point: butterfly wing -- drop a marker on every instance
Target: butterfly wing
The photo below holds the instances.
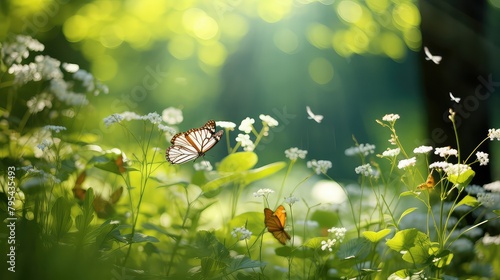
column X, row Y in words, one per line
column 190, row 145
column 429, row 184
column 275, row 223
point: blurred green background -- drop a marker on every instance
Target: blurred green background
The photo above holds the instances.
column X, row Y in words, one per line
column 351, row 61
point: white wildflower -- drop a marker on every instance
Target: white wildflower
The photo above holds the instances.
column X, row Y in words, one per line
column 114, row 118
column 263, row 192
column 291, row 200
column 494, row 133
column 203, row 166
column 153, row 117
column 172, row 116
column 474, row 189
column 491, row 240
column 271, row 122
column 404, row 163
column 422, row 149
column 482, row 157
column 391, row 152
column 39, row 102
column 493, row 186
column 245, row 141
column 247, row 125
column 489, row 200
column 367, row 170
column 338, row 232
column 364, row 149
column 456, row 169
column 295, row 153
column 45, row 144
column 390, row 117
column 241, row 233
column 70, row 67
column 328, row 244
column 445, row 152
column 55, row 128
column 319, row 166
column 439, row 165
column 224, row 124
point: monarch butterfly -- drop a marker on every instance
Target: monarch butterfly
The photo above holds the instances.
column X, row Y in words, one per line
column 429, row 184
column 275, row 223
column 194, row 143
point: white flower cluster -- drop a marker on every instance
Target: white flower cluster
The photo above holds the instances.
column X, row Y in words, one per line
column 404, row 163
column 391, row 152
column 55, row 128
column 422, row 150
column 291, row 200
column 295, row 153
column 246, row 125
column 270, row 121
column 246, row 142
column 153, row 117
column 489, row 200
column 445, row 152
column 48, row 69
column 367, row 170
column 339, row 234
column 203, row 166
column 364, row 149
column 482, row 157
column 494, row 134
column 226, row 124
column 241, row 233
column 390, row 117
column 493, row 186
column 15, row 52
column 319, row 166
column 263, row 192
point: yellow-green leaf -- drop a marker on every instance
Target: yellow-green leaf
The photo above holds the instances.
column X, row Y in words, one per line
column 236, row 162
column 375, row 237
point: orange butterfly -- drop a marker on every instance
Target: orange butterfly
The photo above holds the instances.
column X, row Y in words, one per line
column 429, row 184
column 275, row 223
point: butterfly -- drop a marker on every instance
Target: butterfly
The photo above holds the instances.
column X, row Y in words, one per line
column 429, row 184
column 275, row 223
column 434, row 58
column 312, row 116
column 194, row 143
column 453, row 98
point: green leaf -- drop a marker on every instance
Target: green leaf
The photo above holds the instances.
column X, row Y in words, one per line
column 463, row 179
column 160, row 230
column 469, row 201
column 264, row 171
column 354, row 250
column 236, row 162
column 406, row 212
column 443, row 258
column 375, row 237
column 211, row 187
column 61, row 217
column 243, row 262
column 413, row 243
column 84, row 220
column 408, row 193
column 314, row 242
column 497, row 212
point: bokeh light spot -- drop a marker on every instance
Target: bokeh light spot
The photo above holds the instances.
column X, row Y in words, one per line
column 319, row 35
column 75, row 28
column 349, row 11
column 406, row 15
column 111, row 36
column 328, row 192
column 213, row 54
column 274, row 10
column 321, row 70
column 392, row 46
